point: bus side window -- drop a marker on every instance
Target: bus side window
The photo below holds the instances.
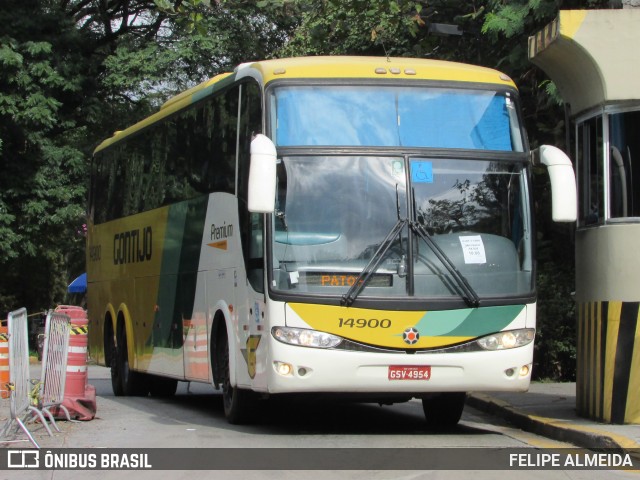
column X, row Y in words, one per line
column 223, row 151
column 251, row 225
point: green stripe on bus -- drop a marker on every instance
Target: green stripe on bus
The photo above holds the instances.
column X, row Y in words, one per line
column 178, row 279
column 468, row 322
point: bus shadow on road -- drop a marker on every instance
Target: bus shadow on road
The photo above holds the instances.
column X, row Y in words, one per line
column 202, row 405
column 291, row 415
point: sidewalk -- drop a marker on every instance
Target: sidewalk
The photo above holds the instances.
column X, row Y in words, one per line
column 549, row 409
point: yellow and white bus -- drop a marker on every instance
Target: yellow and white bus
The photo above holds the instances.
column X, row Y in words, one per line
column 326, row 225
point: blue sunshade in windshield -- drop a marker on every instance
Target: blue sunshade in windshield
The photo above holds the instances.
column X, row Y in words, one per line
column 393, row 117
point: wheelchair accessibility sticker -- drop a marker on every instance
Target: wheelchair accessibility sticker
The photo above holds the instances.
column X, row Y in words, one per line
column 421, row 172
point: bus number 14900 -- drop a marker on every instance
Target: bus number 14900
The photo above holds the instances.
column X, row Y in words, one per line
column 364, row 323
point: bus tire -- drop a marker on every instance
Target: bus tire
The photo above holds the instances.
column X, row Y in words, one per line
column 116, row 381
column 443, row 410
column 132, row 383
column 111, row 359
column 239, row 404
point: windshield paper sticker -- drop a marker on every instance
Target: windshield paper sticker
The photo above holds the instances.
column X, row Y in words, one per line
column 421, row 172
column 473, row 249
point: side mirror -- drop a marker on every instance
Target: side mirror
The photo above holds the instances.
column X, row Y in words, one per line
column 262, row 175
column 563, row 182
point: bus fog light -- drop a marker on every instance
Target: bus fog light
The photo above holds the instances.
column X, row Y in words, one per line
column 284, row 369
column 508, row 339
column 509, row 372
column 524, row 370
column 305, row 338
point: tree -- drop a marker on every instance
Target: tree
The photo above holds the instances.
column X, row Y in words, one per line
column 41, row 189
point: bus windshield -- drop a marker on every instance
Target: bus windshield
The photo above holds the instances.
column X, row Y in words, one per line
column 333, row 212
column 393, row 116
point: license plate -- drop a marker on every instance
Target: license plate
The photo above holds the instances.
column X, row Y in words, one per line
column 409, row 372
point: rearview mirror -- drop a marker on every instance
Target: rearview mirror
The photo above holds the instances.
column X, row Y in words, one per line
column 262, row 175
column 563, row 182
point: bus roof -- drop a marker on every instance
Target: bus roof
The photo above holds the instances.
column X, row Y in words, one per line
column 344, row 67
column 376, row 67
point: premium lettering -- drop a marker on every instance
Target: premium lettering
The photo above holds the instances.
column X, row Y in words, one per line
column 221, row 233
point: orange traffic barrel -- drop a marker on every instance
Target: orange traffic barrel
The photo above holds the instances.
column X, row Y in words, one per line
column 76, row 375
column 5, row 392
column 72, row 311
column 79, row 396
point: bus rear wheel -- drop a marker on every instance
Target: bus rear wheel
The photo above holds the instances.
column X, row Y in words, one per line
column 111, row 354
column 443, row 410
column 239, row 404
column 124, row 380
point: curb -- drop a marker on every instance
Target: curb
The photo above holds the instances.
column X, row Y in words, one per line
column 579, row 435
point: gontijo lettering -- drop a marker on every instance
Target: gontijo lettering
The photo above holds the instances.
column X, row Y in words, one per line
column 133, row 246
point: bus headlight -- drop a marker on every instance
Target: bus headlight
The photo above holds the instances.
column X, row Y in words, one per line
column 508, row 339
column 305, row 338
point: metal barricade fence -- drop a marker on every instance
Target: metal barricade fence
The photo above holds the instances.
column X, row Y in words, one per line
column 54, row 364
column 27, row 400
column 18, row 361
column 19, row 384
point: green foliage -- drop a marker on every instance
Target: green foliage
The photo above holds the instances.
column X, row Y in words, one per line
column 42, row 187
column 555, row 350
column 149, row 72
column 356, row 27
column 516, row 17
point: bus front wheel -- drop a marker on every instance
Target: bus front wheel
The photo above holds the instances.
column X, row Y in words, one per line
column 239, row 404
column 443, row 410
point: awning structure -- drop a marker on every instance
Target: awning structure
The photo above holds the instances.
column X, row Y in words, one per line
column 593, row 56
column 79, row 285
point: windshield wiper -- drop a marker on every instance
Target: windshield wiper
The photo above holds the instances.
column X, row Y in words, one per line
column 470, row 296
column 365, row 275
column 372, row 266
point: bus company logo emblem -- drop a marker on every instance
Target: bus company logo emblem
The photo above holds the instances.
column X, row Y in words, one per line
column 410, row 335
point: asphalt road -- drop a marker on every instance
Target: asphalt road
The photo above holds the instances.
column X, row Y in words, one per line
column 194, row 418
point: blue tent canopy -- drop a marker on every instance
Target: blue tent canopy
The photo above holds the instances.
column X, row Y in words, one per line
column 79, row 285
